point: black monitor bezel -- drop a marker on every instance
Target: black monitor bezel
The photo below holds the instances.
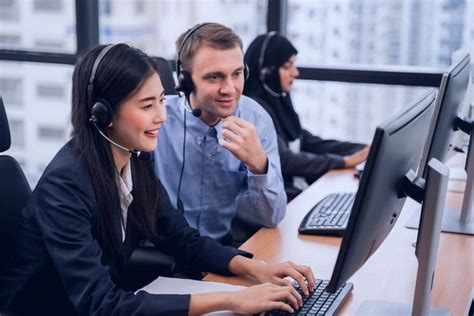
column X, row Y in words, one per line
column 391, row 126
column 453, row 71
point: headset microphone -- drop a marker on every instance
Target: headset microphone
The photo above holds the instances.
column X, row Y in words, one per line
column 93, row 120
column 197, row 112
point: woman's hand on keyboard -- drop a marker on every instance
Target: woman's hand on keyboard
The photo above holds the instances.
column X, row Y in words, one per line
column 277, row 272
column 265, row 297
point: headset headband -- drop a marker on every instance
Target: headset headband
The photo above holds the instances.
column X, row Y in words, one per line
column 263, row 49
column 98, row 60
column 186, row 37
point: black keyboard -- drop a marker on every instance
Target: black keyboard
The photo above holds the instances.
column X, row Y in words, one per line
column 329, row 216
column 319, row 302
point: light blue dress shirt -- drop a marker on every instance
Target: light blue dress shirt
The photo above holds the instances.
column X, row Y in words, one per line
column 213, row 177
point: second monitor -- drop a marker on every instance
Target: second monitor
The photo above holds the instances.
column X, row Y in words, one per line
column 445, row 123
column 387, row 180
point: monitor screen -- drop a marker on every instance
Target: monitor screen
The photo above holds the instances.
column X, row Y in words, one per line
column 396, row 148
column 448, row 106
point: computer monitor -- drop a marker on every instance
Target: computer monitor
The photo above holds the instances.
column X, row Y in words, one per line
column 396, row 149
column 451, row 95
column 378, row 201
column 441, row 143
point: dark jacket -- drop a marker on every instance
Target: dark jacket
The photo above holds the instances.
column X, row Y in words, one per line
column 59, row 268
column 316, row 157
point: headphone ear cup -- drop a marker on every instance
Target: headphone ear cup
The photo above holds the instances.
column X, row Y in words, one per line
column 265, row 72
column 185, row 83
column 101, row 113
column 246, row 72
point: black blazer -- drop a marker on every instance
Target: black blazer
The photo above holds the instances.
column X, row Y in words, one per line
column 58, row 267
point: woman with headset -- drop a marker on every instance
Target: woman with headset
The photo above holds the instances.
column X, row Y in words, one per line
column 271, row 61
column 97, row 201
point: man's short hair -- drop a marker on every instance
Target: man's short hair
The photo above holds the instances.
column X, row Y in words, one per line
column 212, row 35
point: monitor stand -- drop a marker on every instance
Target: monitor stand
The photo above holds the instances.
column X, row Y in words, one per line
column 426, row 251
column 460, row 221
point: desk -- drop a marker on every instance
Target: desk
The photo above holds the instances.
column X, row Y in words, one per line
column 389, row 274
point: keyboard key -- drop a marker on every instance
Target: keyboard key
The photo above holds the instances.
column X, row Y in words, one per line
column 329, row 216
column 319, row 302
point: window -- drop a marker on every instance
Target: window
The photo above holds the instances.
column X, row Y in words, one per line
column 11, row 89
column 348, row 111
column 9, row 10
column 17, row 132
column 105, row 7
column 51, row 90
column 159, row 23
column 139, row 6
column 37, row 99
column 11, row 40
column 48, row 5
column 421, row 33
column 39, row 25
column 49, row 45
column 51, row 133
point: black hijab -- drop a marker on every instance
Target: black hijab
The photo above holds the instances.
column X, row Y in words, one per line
column 278, row 51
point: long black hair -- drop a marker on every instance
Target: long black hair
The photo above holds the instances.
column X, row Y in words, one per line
column 120, row 74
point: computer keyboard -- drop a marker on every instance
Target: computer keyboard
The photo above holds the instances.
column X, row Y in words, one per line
column 319, row 302
column 329, row 216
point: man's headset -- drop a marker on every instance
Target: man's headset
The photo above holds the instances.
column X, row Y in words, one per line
column 265, row 72
column 100, row 109
column 186, row 85
column 185, row 82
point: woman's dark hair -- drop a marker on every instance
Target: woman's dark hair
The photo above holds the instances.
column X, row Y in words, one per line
column 121, row 73
column 278, row 51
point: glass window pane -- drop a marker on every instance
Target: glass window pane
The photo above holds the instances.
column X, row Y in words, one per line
column 37, row 100
column 154, row 25
column 395, row 32
column 39, row 25
column 348, row 111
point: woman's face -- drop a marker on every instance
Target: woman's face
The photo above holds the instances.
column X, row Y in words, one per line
column 288, row 72
column 138, row 119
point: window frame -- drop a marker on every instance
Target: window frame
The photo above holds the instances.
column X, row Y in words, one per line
column 87, row 35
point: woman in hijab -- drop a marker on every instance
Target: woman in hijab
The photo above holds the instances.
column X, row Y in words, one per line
column 271, row 61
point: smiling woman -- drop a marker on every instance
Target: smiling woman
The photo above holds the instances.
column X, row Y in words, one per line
column 304, row 157
column 138, row 120
column 97, row 201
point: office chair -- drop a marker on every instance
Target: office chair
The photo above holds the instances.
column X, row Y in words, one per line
column 166, row 75
column 14, row 192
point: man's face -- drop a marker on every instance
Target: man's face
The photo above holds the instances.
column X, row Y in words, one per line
column 218, row 77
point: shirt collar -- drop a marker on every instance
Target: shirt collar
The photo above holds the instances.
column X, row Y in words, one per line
column 124, row 181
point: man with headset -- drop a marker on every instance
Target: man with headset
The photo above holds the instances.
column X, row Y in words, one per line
column 218, row 145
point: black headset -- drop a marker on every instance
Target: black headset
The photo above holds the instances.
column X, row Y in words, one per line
column 185, row 82
column 100, row 110
column 265, row 72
